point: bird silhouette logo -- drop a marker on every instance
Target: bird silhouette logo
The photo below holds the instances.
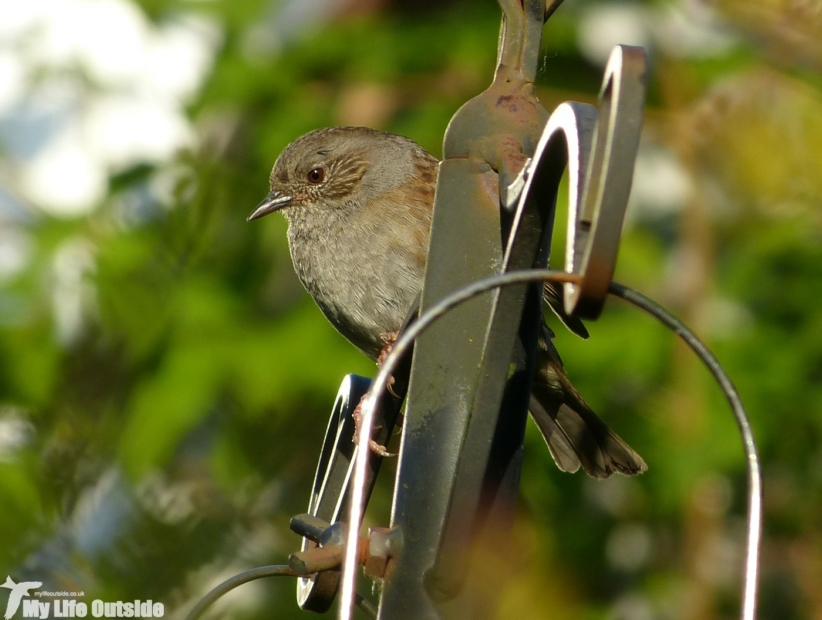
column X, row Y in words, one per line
column 18, row 591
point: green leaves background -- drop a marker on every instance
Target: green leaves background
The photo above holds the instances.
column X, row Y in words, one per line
column 166, row 446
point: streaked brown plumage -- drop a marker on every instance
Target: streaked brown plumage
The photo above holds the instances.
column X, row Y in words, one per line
column 358, row 202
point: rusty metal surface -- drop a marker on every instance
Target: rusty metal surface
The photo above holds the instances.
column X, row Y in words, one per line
column 375, row 552
column 316, row 560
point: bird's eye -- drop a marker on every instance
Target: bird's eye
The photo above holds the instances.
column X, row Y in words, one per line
column 316, row 175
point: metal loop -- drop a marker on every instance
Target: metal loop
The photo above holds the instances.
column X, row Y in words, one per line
column 435, row 312
column 594, row 229
column 330, row 490
column 565, row 141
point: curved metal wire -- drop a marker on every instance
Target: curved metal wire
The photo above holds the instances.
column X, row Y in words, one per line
column 754, row 472
column 275, row 570
column 406, row 339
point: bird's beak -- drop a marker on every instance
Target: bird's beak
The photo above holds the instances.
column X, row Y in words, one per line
column 273, row 202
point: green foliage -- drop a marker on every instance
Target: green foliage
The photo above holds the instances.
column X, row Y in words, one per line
column 166, row 442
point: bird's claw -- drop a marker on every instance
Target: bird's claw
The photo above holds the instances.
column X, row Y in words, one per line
column 388, row 339
column 379, row 449
column 375, row 447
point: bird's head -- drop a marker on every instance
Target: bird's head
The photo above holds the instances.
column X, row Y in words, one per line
column 323, row 169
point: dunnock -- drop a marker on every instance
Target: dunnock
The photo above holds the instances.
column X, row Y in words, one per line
column 359, row 202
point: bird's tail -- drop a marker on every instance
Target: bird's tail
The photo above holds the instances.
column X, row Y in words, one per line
column 574, row 433
column 9, row 583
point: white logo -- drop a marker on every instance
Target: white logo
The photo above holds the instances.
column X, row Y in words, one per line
column 61, row 607
column 18, row 591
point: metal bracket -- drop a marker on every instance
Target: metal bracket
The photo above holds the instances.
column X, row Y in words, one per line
column 471, row 372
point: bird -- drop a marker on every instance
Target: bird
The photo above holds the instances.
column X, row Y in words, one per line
column 18, row 591
column 359, row 203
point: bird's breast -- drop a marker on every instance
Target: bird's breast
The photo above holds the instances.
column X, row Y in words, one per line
column 363, row 281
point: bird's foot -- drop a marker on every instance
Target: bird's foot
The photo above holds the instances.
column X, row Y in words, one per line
column 376, row 448
column 388, row 340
